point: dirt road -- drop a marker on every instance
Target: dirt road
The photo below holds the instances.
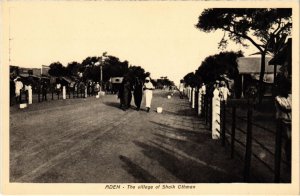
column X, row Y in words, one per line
column 92, row 140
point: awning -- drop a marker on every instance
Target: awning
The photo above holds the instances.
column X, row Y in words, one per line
column 24, row 75
column 67, row 79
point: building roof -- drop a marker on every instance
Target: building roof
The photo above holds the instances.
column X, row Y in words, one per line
column 251, row 65
column 67, row 79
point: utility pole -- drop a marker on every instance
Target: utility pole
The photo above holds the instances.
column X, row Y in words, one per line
column 101, row 72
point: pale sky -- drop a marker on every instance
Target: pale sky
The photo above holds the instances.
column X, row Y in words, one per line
column 159, row 36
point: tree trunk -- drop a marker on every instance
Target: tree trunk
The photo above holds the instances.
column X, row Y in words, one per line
column 261, row 77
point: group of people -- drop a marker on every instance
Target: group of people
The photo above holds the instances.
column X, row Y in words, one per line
column 18, row 89
column 79, row 88
column 138, row 88
column 18, row 86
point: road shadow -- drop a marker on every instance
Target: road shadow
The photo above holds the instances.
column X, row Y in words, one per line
column 181, row 131
column 164, row 93
column 117, row 105
column 184, row 112
column 136, row 171
column 196, row 138
column 112, row 104
column 184, row 169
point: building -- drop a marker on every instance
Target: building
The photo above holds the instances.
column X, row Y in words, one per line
column 44, row 70
column 29, row 71
column 249, row 69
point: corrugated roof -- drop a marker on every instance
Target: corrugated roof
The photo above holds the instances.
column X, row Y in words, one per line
column 69, row 80
column 251, row 65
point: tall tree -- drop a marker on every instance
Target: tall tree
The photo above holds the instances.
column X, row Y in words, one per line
column 113, row 67
column 192, row 79
column 257, row 26
column 57, row 69
column 136, row 71
column 215, row 65
column 73, row 68
column 164, row 81
column 90, row 61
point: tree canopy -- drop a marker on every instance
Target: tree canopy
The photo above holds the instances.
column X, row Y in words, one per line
column 113, row 67
column 136, row 71
column 215, row 65
column 243, row 24
column 260, row 27
column 164, row 81
column 57, row 69
column 90, row 69
column 193, row 80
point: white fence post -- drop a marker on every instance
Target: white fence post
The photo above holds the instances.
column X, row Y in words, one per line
column 64, row 92
column 216, row 110
column 193, row 98
column 190, row 94
column 29, row 95
column 199, row 102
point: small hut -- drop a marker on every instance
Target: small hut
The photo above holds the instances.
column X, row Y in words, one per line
column 249, row 71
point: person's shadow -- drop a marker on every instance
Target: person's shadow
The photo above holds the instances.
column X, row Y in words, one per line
column 112, row 104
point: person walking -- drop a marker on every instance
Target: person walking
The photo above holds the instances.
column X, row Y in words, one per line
column 97, row 88
column 58, row 89
column 44, row 91
column 148, row 87
column 125, row 94
column 121, row 94
column 26, row 91
column 82, row 89
column 138, row 93
column 19, row 86
column 129, row 96
column 201, row 94
column 89, row 88
column 224, row 91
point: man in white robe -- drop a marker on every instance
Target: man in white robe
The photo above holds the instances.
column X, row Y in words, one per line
column 19, row 87
column 202, row 92
column 148, row 88
column 224, row 91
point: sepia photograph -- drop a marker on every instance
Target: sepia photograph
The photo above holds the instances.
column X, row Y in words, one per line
column 136, row 96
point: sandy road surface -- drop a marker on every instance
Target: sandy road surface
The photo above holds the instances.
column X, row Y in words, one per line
column 91, row 140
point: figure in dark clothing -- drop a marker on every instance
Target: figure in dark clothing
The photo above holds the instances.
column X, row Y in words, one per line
column 120, row 95
column 125, row 94
column 12, row 91
column 89, row 88
column 138, row 92
column 129, row 94
column 44, row 91
column 82, row 89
